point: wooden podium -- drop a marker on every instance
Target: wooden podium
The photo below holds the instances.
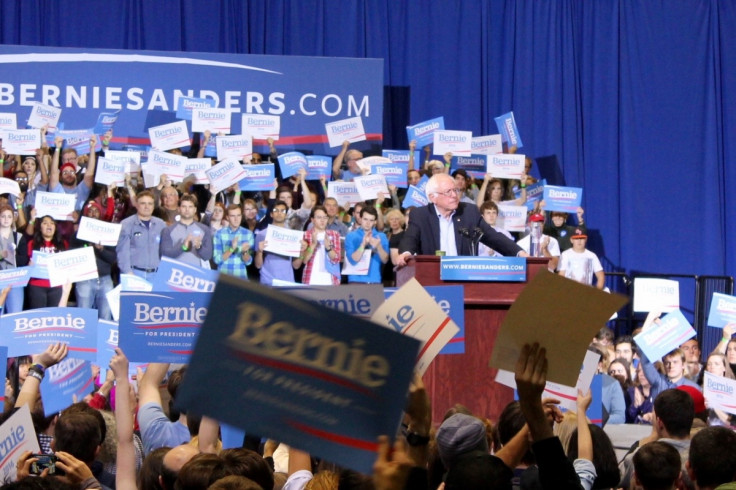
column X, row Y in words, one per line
column 466, row 378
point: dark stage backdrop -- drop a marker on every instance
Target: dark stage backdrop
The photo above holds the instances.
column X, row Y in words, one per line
column 636, row 99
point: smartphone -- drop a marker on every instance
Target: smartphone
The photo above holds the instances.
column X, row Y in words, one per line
column 44, row 461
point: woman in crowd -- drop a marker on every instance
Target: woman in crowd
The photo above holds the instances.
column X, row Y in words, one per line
column 642, row 403
column 13, row 253
column 496, row 192
column 619, row 369
column 718, row 366
column 727, row 345
column 320, row 251
column 46, row 239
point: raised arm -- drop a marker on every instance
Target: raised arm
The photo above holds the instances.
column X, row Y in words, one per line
column 30, row 391
column 412, row 149
column 337, row 162
column 148, row 386
column 203, row 144
column 480, row 198
column 54, row 171
column 125, row 475
column 89, row 175
column 728, row 331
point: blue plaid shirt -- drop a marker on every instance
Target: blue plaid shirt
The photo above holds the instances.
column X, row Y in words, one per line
column 235, row 265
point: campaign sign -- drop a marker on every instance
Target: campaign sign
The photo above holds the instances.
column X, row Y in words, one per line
column 660, row 338
column 359, row 300
column 110, row 171
column 656, row 294
column 224, row 174
column 239, row 147
column 22, row 141
column 423, row 132
column 509, row 132
column 401, row 156
column 475, row 165
column 160, row 327
column 3, row 369
column 318, row 166
column 132, row 159
column 131, row 282
column 258, row 177
column 455, row 142
column 486, row 145
column 169, row 136
column 414, row 197
column 261, row 126
column 32, row 331
column 369, row 186
column 185, row 106
column 722, row 310
column 534, row 193
column 197, row 167
column 67, row 382
column 335, row 396
column 177, row 276
column 44, row 115
column 38, row 265
column 98, row 231
column 113, row 301
column 77, row 139
column 720, row 392
column 107, row 341
column 512, row 218
column 422, row 184
column 211, row 119
column 359, row 268
column 283, row 241
column 18, row 436
column 162, row 163
column 9, row 186
column 8, row 121
column 15, row 278
column 105, row 122
column 394, row 173
column 565, row 199
column 350, row 129
column 345, row 193
column 290, row 163
column 505, row 166
column 71, row 266
column 506, row 269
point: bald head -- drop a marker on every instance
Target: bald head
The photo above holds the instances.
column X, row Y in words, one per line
column 179, row 456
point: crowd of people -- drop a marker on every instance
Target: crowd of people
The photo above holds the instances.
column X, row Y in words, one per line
column 117, row 437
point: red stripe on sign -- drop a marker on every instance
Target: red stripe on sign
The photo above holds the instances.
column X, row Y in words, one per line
column 433, row 337
column 348, row 441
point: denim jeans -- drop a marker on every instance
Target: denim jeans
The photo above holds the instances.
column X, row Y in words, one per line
column 92, row 294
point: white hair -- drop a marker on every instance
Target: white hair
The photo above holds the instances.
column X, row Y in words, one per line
column 434, row 182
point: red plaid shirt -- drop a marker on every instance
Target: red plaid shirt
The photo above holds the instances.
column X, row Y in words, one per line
column 334, row 238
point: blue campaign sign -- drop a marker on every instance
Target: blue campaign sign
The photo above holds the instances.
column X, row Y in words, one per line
column 180, row 277
column 105, row 122
column 160, row 327
column 595, row 410
column 306, row 379
column 3, row 367
column 452, row 300
column 501, row 269
column 64, row 382
column 507, row 128
column 422, row 184
column 291, row 162
column 534, row 193
column 414, row 197
column 402, row 156
column 31, row 331
column 423, row 133
column 317, row 166
column 107, row 340
column 565, row 199
column 660, row 338
column 258, row 177
column 14, row 278
column 394, row 173
column 722, row 310
column 475, row 165
column 187, row 104
column 306, row 92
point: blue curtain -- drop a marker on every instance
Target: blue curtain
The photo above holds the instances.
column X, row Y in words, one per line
column 630, row 97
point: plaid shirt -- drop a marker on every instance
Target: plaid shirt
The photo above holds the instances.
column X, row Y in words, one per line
column 234, row 265
column 334, row 238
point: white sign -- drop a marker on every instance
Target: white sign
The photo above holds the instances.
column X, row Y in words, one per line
column 44, row 115
column 239, row 147
column 284, row 241
column 55, row 204
column 132, row 159
column 198, row 167
column 9, row 186
column 261, row 126
column 350, row 129
column 512, row 218
column 720, row 392
column 99, row 232
column 8, row 121
column 169, row 136
column 110, row 171
column 160, row 163
column 22, row 141
column 369, row 186
column 366, row 164
column 74, row 265
column 113, row 301
column 360, row 268
column 506, row 166
column 18, row 436
column 345, row 193
column 224, row 174
column 486, row 145
column 456, row 142
column 211, row 119
column 656, row 294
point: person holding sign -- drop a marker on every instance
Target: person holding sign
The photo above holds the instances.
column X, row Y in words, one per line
column 187, row 240
column 271, row 265
column 46, row 239
column 350, row 158
column 441, row 224
column 497, row 192
column 321, row 252
column 13, row 253
column 367, row 240
column 233, row 245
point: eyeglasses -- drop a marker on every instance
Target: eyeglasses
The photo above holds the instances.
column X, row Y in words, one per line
column 21, row 179
column 280, row 211
column 450, row 192
column 72, row 172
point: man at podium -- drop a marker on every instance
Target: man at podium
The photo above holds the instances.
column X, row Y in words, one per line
column 450, row 226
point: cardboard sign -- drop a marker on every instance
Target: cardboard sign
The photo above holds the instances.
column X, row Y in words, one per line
column 369, row 186
column 169, row 136
column 44, row 115
column 656, row 294
column 224, row 174
column 505, row 166
column 98, row 231
column 211, row 119
column 487, row 145
column 22, row 141
column 423, row 132
column 71, row 266
column 284, row 241
column 455, row 142
column 160, row 163
column 345, row 193
column 660, row 338
column 720, row 392
column 350, row 129
column 132, row 159
column 238, row 147
column 261, row 126
column 110, row 171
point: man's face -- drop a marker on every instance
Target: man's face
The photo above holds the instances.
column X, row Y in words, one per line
column 490, row 216
column 674, row 367
column 445, row 198
column 234, row 217
column 356, row 215
column 145, row 207
column 352, row 161
column 187, row 210
column 69, row 157
column 368, row 221
column 460, row 182
column 331, row 207
column 278, row 215
column 68, row 177
column 170, row 198
column 319, row 220
column 286, row 197
column 624, row 351
column 578, row 244
column 691, row 350
column 558, row 219
column 413, row 177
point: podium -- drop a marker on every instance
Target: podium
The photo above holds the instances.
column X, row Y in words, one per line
column 466, row 378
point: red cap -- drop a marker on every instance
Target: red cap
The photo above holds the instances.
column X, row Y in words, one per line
column 67, row 164
column 579, row 234
column 536, row 217
column 696, row 395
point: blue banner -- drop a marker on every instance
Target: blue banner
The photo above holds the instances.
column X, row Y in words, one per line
column 291, row 162
column 534, row 193
column 31, row 331
column 146, row 86
column 501, row 269
column 160, row 327
column 660, row 338
column 565, row 199
column 423, row 133
column 414, row 197
column 306, row 379
column 187, row 104
column 15, row 278
column 394, row 173
column 317, row 166
column 107, row 340
column 507, row 128
column 3, row 367
column 258, row 177
column 177, row 276
column 722, row 310
column 65, row 382
column 475, row 165
column 402, row 156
